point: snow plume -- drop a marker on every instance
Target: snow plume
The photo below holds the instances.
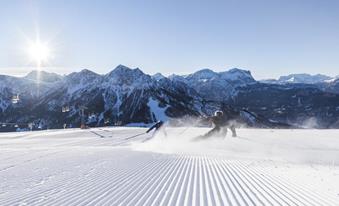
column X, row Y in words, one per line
column 201, row 121
column 310, row 123
column 185, row 140
column 285, row 145
column 184, row 135
column 176, row 140
column 186, row 121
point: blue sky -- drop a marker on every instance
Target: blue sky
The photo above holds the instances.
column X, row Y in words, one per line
column 270, row 38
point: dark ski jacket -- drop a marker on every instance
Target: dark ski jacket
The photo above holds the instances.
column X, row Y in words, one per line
column 221, row 121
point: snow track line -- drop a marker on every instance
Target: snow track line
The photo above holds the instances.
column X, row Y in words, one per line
column 142, row 183
column 158, row 179
column 277, row 184
column 93, row 132
column 256, row 189
column 183, row 189
column 230, row 194
column 221, row 184
column 273, row 187
column 215, row 184
column 133, row 185
column 85, row 167
column 237, row 188
column 169, row 187
column 15, row 137
column 266, row 192
column 74, row 184
column 202, row 193
column 302, row 192
column 92, row 191
column 147, row 185
column 14, row 157
column 124, row 180
column 28, row 161
column 169, row 181
column 73, row 194
column 180, row 176
column 189, row 193
column 151, row 193
column 302, row 197
column 105, row 130
column 175, row 185
column 210, row 201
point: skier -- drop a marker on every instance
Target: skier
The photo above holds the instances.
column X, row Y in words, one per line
column 221, row 123
column 158, row 126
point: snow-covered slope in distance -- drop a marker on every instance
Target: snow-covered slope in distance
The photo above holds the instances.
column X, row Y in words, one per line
column 304, row 78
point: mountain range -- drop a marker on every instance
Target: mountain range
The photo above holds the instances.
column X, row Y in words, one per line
column 128, row 96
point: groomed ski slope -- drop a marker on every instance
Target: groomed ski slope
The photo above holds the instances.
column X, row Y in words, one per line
column 104, row 166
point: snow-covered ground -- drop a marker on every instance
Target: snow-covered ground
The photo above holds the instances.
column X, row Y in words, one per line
column 106, row 166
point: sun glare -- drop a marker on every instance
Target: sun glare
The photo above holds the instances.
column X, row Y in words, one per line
column 39, row 52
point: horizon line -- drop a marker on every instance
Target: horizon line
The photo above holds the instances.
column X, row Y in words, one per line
column 26, row 70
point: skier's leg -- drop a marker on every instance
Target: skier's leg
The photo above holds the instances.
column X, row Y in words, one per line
column 154, row 133
column 224, row 132
column 163, row 131
column 234, row 133
column 212, row 132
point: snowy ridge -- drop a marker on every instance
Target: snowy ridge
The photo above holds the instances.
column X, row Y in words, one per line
column 304, row 78
column 218, row 86
column 122, row 96
column 43, row 76
column 158, row 76
column 301, row 79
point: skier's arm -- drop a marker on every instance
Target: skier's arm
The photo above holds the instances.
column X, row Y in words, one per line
column 202, row 120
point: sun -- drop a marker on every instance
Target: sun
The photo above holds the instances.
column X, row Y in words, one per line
column 39, row 52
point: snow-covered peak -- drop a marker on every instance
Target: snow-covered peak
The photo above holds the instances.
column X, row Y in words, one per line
column 335, row 79
column 158, row 76
column 126, row 76
column 233, row 75
column 43, row 76
column 123, row 71
column 88, row 72
column 84, row 74
column 236, row 74
column 304, row 78
column 202, row 75
column 218, row 85
column 177, row 78
column 81, row 80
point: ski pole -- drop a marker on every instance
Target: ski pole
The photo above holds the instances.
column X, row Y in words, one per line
column 127, row 138
column 184, row 130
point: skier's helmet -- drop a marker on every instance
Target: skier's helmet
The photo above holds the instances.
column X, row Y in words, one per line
column 218, row 113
